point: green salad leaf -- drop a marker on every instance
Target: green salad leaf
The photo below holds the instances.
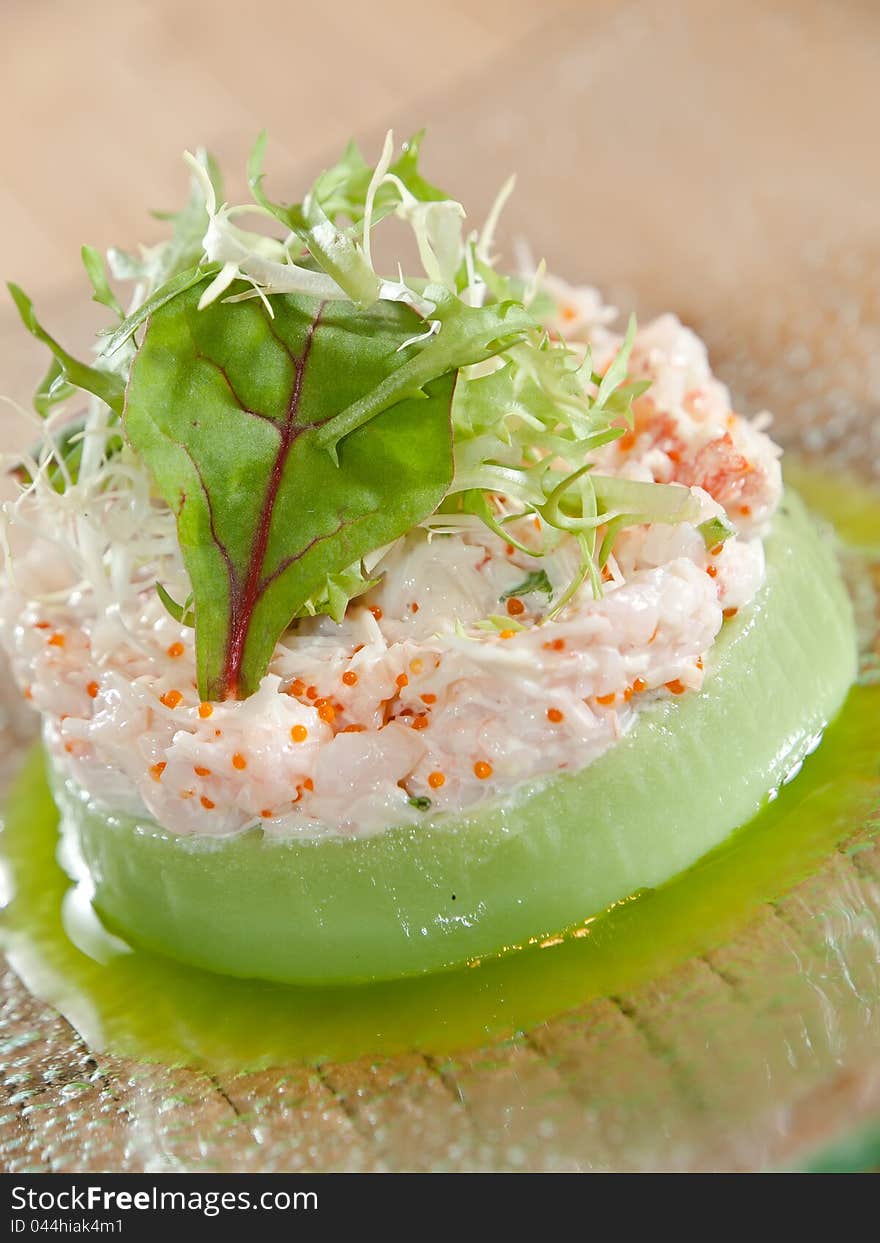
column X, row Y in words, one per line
column 227, row 406
column 298, row 409
column 104, row 384
column 536, row 581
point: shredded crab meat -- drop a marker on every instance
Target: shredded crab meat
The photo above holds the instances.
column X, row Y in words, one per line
column 414, row 696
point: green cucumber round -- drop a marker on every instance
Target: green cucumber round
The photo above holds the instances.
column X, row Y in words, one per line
column 531, row 865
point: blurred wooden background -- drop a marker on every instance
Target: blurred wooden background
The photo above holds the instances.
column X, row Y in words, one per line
column 719, row 158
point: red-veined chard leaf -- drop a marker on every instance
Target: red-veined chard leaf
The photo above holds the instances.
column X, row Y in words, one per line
column 225, row 406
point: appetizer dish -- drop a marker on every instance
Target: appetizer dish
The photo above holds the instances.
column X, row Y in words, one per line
column 380, row 621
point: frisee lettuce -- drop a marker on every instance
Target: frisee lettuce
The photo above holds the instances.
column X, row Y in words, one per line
column 298, row 409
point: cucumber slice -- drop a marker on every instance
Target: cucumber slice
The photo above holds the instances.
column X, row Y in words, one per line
column 539, row 862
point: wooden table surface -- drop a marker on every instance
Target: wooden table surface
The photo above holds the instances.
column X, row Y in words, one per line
column 715, row 158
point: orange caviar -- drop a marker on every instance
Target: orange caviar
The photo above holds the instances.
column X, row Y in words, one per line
column 428, row 698
column 414, row 607
column 402, row 680
column 157, row 770
column 628, row 694
column 326, row 712
column 713, row 552
column 238, row 761
column 745, row 510
column 639, row 685
column 92, row 690
column 712, row 571
column 299, row 733
column 554, row 715
column 436, row 780
column 266, row 813
column 312, row 692
column 676, row 686
column 176, row 649
column 297, row 687
column 350, row 677
column 205, row 710
column 57, row 640
column 728, row 613
column 482, row 770
column 308, row 784
column 171, row 699
column 554, row 645
column 507, row 634
column 515, row 606
column 201, row 771
column 606, row 699
column 377, row 612
column 420, row 722
column 207, row 803
column 354, row 729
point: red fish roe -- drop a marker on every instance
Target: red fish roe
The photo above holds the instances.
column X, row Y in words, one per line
column 605, row 700
column 350, row 677
column 482, row 770
column 299, row 733
column 515, row 607
column 92, row 690
column 157, row 770
column 171, row 699
column 207, row 803
column 436, row 780
column 175, row 650
column 238, row 761
column 554, row 715
column 205, row 710
column 676, row 686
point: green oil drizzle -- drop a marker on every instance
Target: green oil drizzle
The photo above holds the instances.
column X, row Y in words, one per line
column 140, row 1005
